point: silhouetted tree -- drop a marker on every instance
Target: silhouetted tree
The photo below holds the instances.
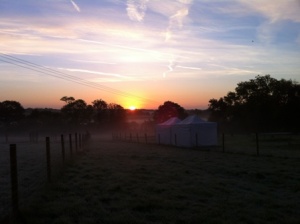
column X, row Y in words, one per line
column 167, row 110
column 76, row 111
column 117, row 113
column 11, row 111
column 261, row 104
column 100, row 108
column 43, row 118
column 67, row 99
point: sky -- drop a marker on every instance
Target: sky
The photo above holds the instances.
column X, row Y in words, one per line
column 143, row 52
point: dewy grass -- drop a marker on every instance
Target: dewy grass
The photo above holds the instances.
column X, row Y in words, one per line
column 136, row 183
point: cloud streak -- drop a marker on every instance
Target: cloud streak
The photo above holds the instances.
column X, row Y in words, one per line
column 136, row 9
column 171, row 67
column 76, row 7
column 98, row 73
column 276, row 11
column 175, row 22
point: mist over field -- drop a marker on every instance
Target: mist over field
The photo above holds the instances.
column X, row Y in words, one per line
column 134, row 180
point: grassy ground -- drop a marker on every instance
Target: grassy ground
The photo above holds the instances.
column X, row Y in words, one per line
column 32, row 172
column 137, row 183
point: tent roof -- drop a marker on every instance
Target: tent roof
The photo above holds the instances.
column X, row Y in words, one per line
column 193, row 119
column 171, row 121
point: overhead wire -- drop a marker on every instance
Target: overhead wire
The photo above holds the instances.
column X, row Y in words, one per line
column 57, row 74
column 46, row 69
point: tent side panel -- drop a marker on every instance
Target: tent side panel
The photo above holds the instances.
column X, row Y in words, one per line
column 207, row 134
column 181, row 136
column 163, row 135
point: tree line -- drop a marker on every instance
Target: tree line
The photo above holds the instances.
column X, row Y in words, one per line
column 79, row 112
column 263, row 104
column 75, row 112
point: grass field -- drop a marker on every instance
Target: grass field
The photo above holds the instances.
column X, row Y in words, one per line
column 31, row 167
column 283, row 145
column 119, row 182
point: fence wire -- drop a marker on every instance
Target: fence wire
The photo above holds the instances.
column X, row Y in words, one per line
column 31, row 167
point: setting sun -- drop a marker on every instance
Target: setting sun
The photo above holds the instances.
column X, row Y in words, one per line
column 132, row 108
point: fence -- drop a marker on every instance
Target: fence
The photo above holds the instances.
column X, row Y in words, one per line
column 266, row 144
column 134, row 137
column 27, row 166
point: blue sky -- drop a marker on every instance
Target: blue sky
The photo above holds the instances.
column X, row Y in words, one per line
column 143, row 52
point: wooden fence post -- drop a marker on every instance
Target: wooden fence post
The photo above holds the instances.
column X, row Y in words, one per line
column 76, row 141
column 48, row 159
column 6, row 137
column 257, row 144
column 14, row 180
column 223, row 142
column 70, row 144
column 80, row 141
column 62, row 148
column 84, row 139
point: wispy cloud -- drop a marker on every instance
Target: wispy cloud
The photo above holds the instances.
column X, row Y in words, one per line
column 275, row 13
column 176, row 20
column 276, row 10
column 94, row 62
column 119, row 76
column 234, row 70
column 188, row 67
column 171, row 66
column 174, row 43
column 136, row 9
column 76, row 7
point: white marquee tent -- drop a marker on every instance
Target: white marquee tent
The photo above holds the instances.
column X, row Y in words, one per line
column 164, row 132
column 193, row 131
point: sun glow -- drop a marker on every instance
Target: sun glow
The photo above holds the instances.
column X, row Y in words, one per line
column 131, row 103
column 132, row 108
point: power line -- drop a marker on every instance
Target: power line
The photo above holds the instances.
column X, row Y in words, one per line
column 57, row 74
column 54, row 73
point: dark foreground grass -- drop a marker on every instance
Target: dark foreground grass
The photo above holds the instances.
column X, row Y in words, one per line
column 137, row 183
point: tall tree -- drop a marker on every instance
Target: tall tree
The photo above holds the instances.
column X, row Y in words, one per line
column 167, row 110
column 117, row 113
column 76, row 111
column 100, row 108
column 11, row 111
column 99, row 104
column 67, row 99
column 260, row 104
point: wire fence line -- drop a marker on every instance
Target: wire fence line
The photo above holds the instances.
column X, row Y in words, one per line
column 32, row 163
column 27, row 166
column 148, row 138
column 259, row 144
